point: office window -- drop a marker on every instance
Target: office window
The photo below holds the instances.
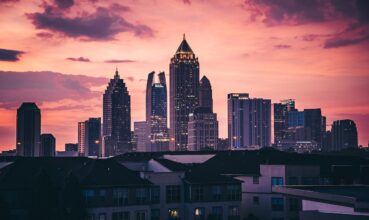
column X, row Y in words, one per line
column 120, row 197
column 308, row 180
column 233, row 192
column 88, row 195
column 120, row 216
column 255, row 180
column 255, row 200
column 198, row 193
column 216, row 213
column 155, row 214
column 173, row 214
column 173, row 193
column 140, row 215
column 277, row 181
column 234, row 213
column 102, row 216
column 293, row 180
column 294, row 204
column 216, row 192
column 155, row 195
column 277, row 204
column 102, row 195
column 141, row 195
column 199, row 213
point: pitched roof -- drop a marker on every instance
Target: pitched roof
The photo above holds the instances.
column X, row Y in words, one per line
column 184, row 47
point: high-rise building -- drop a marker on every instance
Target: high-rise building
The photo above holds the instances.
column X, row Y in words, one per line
column 205, row 93
column 81, row 138
column 281, row 111
column 156, row 112
column 116, row 117
column 184, row 93
column 71, row 147
column 47, row 145
column 202, row 130
column 249, row 121
column 295, row 119
column 93, row 137
column 313, row 125
column 344, row 135
column 28, row 130
column 141, row 132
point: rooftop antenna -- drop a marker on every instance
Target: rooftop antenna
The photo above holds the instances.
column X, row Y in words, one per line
column 184, row 36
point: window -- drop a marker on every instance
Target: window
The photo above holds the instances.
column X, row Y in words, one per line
column 308, row 180
column 102, row 216
column 255, row 180
column 255, row 200
column 217, row 213
column 294, row 204
column 90, row 217
column 277, row 204
column 234, row 213
column 216, row 192
column 277, row 181
column 102, row 195
column 198, row 193
column 89, row 195
column 155, row 195
column 120, row 197
column 173, row 214
column 199, row 213
column 173, row 193
column 155, row 214
column 141, row 195
column 140, row 215
column 233, row 192
column 293, row 180
column 120, row 216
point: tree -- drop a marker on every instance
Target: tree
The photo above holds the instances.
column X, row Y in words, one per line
column 73, row 206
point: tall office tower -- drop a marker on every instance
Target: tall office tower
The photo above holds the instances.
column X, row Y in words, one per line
column 141, row 132
column 116, row 117
column 202, row 130
column 249, row 121
column 156, row 112
column 93, row 137
column 71, row 147
column 205, row 93
column 28, row 130
column 184, row 93
column 295, row 119
column 313, row 125
column 281, row 111
column 81, row 138
column 47, row 145
column 344, row 135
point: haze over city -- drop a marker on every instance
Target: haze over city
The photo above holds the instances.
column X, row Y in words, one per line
column 61, row 54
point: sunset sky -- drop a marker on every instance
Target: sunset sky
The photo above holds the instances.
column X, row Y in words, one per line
column 61, row 53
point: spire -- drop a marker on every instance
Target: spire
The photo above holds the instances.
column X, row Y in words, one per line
column 116, row 73
column 184, row 47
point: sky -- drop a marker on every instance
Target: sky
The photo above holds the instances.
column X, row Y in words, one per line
column 61, row 54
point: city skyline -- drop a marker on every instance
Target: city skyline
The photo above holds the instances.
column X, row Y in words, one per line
column 332, row 78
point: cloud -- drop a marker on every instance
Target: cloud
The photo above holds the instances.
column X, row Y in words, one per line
column 10, row 55
column 44, row 35
column 130, row 78
column 119, row 61
column 341, row 42
column 18, row 87
column 79, row 59
column 282, row 46
column 64, row 4
column 100, row 25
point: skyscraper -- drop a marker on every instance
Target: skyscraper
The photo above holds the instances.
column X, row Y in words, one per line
column 184, row 93
column 313, row 125
column 202, row 130
column 28, row 130
column 281, row 111
column 47, row 145
column 81, row 138
column 249, row 121
column 116, row 117
column 344, row 135
column 206, row 94
column 141, row 133
column 156, row 112
column 93, row 137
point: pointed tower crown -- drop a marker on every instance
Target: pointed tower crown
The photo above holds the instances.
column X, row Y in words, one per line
column 184, row 47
